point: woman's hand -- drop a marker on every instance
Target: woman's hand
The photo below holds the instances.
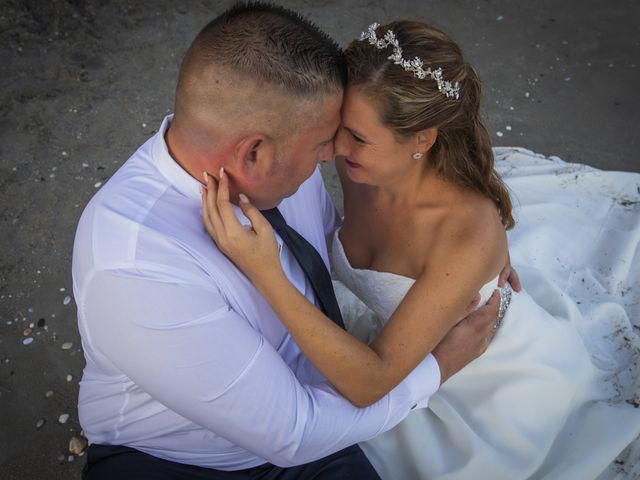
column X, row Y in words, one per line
column 252, row 249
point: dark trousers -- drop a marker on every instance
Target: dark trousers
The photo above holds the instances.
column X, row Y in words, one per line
column 112, row 462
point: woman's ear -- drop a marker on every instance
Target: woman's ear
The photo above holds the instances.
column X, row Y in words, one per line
column 254, row 156
column 425, row 139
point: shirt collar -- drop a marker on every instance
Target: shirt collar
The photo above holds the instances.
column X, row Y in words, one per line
column 178, row 176
column 170, row 169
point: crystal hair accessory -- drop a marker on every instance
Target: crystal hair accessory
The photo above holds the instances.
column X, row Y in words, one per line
column 415, row 65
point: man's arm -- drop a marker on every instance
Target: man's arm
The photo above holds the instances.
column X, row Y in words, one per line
column 183, row 346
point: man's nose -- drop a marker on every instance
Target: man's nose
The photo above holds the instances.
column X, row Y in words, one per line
column 327, row 153
column 340, row 146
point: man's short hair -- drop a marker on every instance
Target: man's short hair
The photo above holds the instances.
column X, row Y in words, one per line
column 272, row 45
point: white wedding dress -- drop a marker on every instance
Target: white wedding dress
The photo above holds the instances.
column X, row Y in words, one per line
column 557, row 394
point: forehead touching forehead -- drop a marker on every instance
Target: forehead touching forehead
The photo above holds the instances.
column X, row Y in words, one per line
column 318, row 120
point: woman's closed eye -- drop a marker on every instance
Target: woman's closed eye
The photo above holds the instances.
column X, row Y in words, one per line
column 357, row 139
column 355, row 136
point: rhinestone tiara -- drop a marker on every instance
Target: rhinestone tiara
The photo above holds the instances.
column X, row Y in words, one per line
column 416, row 65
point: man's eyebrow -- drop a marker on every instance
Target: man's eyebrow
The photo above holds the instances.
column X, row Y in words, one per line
column 332, row 137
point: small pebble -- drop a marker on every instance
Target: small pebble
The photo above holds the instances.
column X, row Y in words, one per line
column 67, row 345
column 98, row 185
column 63, row 418
column 69, row 377
column 499, row 134
column 144, row 125
column 48, row 394
column 40, row 423
column 508, row 128
column 66, row 300
column 61, row 457
column 27, row 332
column 500, row 18
column 27, row 340
column 526, row 94
column 71, row 458
column 41, row 322
column 77, row 445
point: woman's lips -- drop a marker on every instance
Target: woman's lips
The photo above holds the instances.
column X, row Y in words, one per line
column 352, row 164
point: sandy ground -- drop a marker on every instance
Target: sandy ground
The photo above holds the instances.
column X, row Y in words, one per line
column 84, row 83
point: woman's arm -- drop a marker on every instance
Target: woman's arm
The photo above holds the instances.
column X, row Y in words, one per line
column 362, row 373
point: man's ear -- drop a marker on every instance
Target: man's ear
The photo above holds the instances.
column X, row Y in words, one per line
column 425, row 139
column 255, row 154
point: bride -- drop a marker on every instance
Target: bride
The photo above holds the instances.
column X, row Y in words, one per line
column 557, row 392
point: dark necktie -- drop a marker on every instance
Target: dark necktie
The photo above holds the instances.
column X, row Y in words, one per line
column 311, row 263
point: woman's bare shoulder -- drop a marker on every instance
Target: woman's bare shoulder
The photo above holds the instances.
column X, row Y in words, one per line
column 472, row 234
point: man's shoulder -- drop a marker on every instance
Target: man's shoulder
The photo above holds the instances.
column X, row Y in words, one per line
column 129, row 193
column 137, row 203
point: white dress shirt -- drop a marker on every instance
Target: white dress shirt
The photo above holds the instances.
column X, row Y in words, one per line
column 185, row 359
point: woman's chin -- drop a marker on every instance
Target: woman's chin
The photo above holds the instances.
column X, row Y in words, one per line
column 355, row 174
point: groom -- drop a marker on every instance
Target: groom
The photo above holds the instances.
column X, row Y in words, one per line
column 189, row 373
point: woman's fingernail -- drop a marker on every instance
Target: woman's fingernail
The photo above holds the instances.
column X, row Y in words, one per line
column 206, row 177
column 243, row 198
column 221, row 172
column 201, row 190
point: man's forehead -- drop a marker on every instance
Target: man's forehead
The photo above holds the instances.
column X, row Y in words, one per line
column 328, row 112
column 313, row 121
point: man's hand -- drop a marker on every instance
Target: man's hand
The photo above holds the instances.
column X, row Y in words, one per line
column 509, row 274
column 468, row 339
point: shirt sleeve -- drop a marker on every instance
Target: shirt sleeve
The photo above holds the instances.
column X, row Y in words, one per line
column 184, row 346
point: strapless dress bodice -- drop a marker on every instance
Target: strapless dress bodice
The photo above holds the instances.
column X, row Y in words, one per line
column 382, row 292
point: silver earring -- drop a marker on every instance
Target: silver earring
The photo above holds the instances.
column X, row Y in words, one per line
column 418, row 155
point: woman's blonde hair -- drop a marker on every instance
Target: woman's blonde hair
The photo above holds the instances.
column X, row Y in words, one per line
column 407, row 104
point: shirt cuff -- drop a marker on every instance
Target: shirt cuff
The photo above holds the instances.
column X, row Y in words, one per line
column 424, row 381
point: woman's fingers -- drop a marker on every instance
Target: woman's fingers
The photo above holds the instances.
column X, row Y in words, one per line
column 205, row 214
column 222, row 201
column 213, row 215
column 231, row 223
column 258, row 222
